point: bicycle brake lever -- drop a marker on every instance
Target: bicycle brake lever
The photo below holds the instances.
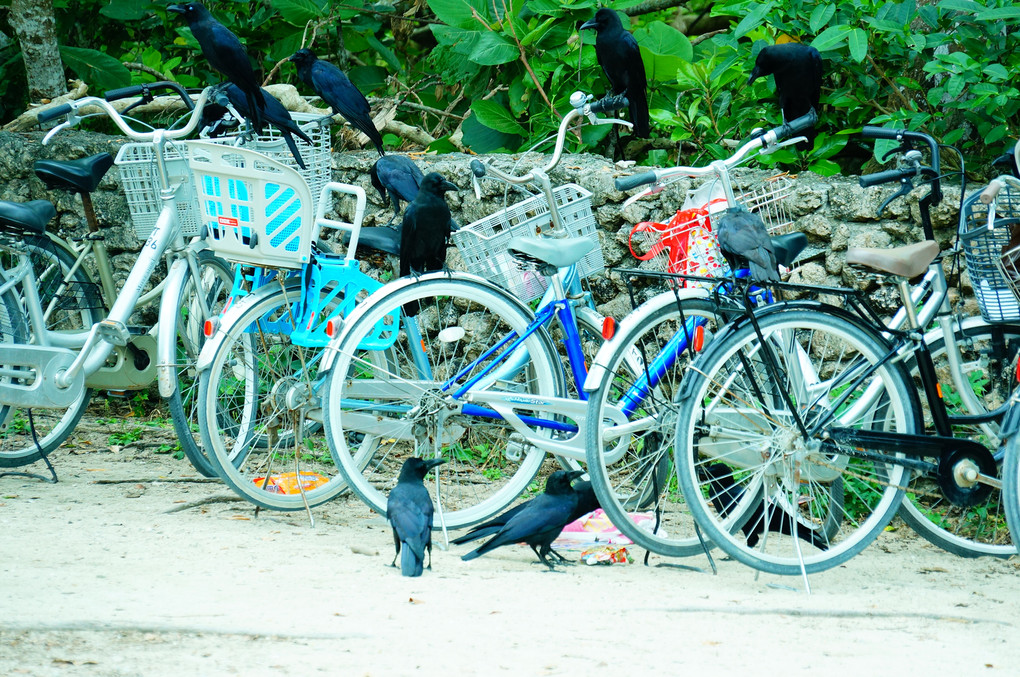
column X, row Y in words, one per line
column 782, row 144
column 56, row 130
column 904, row 147
column 637, row 196
column 906, row 185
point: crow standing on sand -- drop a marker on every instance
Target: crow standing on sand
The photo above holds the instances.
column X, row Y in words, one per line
column 409, row 511
column 226, row 54
column 726, row 494
column 743, row 234
column 620, row 58
column 336, row 89
column 586, row 502
column 275, row 114
column 797, row 70
column 540, row 521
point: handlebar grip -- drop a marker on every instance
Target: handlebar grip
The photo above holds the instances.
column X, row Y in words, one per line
column 477, row 168
column 873, row 132
column 125, row 92
column 610, row 103
column 887, row 176
column 55, row 112
column 988, row 194
column 635, row 180
column 795, row 127
column 146, row 90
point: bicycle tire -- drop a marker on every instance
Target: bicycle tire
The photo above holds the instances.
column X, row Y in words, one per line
column 376, row 413
column 743, row 462
column 989, row 353
column 76, row 306
column 1011, row 483
column 634, row 473
column 217, row 278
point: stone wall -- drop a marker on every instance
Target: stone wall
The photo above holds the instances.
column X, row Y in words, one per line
column 834, row 211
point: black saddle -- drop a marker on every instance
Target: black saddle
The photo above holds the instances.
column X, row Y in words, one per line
column 26, row 217
column 82, row 176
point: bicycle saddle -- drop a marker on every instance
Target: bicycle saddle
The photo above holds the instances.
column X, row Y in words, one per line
column 788, row 247
column 557, row 252
column 908, row 261
column 81, row 175
column 20, row 217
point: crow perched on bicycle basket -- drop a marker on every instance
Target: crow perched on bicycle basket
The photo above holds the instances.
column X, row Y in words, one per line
column 409, row 511
column 540, row 521
column 797, row 71
column 336, row 89
column 275, row 114
column 225, row 53
column 618, row 54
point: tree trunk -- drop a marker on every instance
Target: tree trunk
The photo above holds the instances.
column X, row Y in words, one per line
column 34, row 25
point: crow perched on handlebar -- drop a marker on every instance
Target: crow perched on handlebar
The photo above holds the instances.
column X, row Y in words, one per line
column 409, row 511
column 540, row 521
column 275, row 114
column 797, row 70
column 743, row 234
column 726, row 495
column 586, row 502
column 336, row 89
column 620, row 58
column 226, row 54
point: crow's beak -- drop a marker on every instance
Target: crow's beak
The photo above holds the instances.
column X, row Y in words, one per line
column 446, row 185
column 755, row 74
column 574, row 474
column 590, row 23
column 177, row 9
column 433, row 462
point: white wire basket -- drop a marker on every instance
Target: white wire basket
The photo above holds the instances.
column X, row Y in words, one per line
column 686, row 245
column 993, row 256
column 484, row 244
column 140, row 183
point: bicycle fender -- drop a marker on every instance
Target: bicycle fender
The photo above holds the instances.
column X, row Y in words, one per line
column 166, row 345
column 1011, row 421
column 599, row 366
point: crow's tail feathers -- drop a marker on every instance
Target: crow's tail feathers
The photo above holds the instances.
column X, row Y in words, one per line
column 411, row 564
column 639, row 115
column 293, row 148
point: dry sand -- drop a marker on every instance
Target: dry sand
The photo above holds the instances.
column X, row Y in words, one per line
column 98, row 578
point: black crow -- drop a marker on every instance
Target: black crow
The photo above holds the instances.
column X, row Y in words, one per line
column 586, row 502
column 336, row 89
column 743, row 234
column 396, row 177
column 409, row 511
column 725, row 496
column 797, row 70
column 426, row 228
column 620, row 58
column 540, row 522
column 275, row 114
column 225, row 53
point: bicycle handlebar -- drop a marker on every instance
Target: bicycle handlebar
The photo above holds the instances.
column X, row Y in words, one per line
column 610, row 104
column 55, row 112
column 989, row 194
column 766, row 140
column 146, row 92
column 888, row 176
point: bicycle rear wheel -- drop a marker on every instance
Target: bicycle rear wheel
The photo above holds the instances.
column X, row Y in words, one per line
column 1011, row 483
column 988, row 354
column 213, row 286
column 429, row 396
column 631, row 425
column 72, row 303
column 751, row 477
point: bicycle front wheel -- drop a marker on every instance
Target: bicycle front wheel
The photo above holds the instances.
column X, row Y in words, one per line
column 442, row 391
column 209, row 289
column 770, row 496
column 71, row 303
column 632, row 420
column 1011, row 483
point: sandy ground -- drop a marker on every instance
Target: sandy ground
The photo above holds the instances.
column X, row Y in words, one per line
column 98, row 578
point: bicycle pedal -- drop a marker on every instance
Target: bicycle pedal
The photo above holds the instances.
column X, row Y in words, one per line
column 114, row 332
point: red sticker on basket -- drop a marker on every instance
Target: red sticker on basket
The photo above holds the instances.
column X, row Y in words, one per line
column 226, row 221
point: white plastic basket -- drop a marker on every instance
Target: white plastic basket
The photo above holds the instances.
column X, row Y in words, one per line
column 138, row 175
column 254, row 210
column 484, row 243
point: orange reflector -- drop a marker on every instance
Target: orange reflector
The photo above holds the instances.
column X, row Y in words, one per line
column 699, row 338
column 330, row 329
column 1018, row 370
column 608, row 328
column 210, row 326
column 938, row 387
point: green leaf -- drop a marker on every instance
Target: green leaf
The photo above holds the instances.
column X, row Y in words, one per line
column 482, row 139
column 996, row 72
column 493, row 49
column 858, row 41
column 126, row 10
column 367, row 78
column 386, row 53
column 495, row 116
column 998, row 13
column 661, row 38
column 752, row 19
column 831, row 38
column 96, row 68
column 461, row 13
column 442, row 145
column 538, row 32
column 299, row 12
column 824, row 167
column 821, row 15
column 592, row 135
column 968, row 6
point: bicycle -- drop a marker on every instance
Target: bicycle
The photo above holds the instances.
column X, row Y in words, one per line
column 799, row 401
column 76, row 330
column 636, row 376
